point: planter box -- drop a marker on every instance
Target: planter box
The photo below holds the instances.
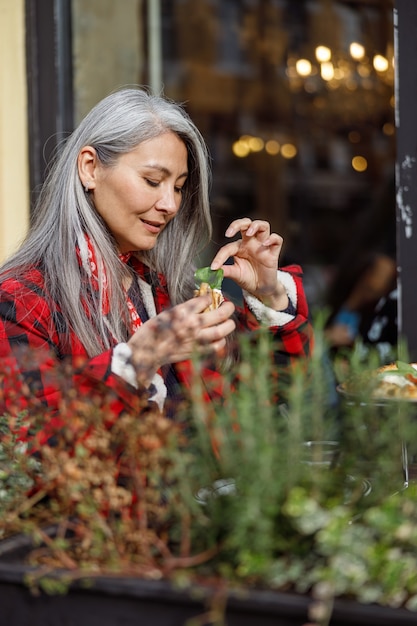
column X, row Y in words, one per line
column 119, row 601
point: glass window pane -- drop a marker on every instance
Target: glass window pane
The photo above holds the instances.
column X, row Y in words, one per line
column 294, row 98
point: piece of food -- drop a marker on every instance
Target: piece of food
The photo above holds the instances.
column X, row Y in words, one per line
column 209, row 281
column 394, row 381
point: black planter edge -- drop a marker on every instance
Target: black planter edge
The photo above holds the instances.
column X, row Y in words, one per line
column 254, row 600
column 260, row 601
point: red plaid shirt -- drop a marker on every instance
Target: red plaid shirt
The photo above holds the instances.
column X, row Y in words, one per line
column 34, row 339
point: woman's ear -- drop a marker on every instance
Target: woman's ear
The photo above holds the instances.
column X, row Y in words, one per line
column 87, row 167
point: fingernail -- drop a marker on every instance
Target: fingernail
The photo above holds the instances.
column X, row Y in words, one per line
column 229, row 232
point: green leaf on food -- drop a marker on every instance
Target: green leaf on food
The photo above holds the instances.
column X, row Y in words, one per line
column 406, row 368
column 403, row 369
column 206, row 275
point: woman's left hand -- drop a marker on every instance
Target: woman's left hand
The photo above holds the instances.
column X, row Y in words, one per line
column 255, row 256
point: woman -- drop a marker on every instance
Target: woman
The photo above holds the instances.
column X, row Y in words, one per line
column 104, row 280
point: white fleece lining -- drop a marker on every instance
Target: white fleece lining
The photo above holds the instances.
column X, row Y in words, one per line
column 147, row 295
column 161, row 391
column 120, row 365
column 122, row 353
column 266, row 314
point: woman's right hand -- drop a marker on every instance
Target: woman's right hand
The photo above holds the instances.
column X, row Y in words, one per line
column 179, row 333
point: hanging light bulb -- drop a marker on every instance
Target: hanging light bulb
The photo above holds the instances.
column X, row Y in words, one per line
column 323, row 54
column 327, row 70
column 303, row 67
column 357, row 51
column 380, row 63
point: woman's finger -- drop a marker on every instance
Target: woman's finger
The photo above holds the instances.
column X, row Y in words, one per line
column 273, row 240
column 216, row 317
column 237, row 226
column 225, row 252
column 258, row 227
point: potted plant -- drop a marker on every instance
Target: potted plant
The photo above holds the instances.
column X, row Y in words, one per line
column 282, row 503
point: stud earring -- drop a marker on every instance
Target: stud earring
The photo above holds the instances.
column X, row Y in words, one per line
column 87, row 187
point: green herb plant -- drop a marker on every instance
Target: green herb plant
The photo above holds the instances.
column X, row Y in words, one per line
column 283, row 484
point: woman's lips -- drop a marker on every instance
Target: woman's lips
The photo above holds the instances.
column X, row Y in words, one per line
column 153, row 227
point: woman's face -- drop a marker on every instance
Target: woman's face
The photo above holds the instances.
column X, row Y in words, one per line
column 142, row 191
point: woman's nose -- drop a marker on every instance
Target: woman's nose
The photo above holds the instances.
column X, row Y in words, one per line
column 169, row 201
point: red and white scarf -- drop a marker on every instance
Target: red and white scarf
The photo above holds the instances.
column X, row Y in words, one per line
column 88, row 260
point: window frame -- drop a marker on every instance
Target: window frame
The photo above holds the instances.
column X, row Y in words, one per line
column 49, row 83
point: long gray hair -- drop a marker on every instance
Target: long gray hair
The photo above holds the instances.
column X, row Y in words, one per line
column 64, row 215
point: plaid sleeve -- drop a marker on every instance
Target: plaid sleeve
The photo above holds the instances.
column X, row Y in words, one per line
column 294, row 339
column 40, row 361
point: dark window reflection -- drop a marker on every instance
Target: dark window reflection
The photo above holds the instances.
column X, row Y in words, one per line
column 304, row 142
column 295, row 99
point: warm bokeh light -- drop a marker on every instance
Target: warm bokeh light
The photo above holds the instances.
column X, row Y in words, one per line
column 380, row 63
column 359, row 164
column 357, row 51
column 256, row 144
column 388, row 129
column 333, row 84
column 247, row 144
column 303, row 67
column 364, row 70
column 288, row 150
column 291, row 71
column 240, row 148
column 327, row 70
column 310, row 87
column 323, row 54
column 272, row 147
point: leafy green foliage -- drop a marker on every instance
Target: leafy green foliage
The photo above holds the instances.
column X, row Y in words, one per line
column 319, row 482
column 18, row 471
column 282, row 483
column 214, row 278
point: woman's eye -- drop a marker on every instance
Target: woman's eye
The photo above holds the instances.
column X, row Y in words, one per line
column 152, row 183
column 178, row 189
